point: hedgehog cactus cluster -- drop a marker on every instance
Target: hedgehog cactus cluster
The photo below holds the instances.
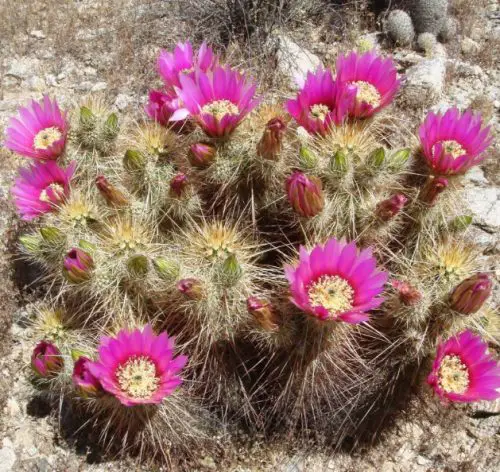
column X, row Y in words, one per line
column 303, row 255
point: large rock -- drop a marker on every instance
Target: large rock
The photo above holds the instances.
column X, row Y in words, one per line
column 485, row 203
column 294, row 61
column 424, row 82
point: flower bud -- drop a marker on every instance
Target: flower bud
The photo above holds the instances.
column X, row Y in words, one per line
column 78, row 265
column 263, row 313
column 399, row 159
column 166, row 269
column 307, row 158
column 111, row 194
column 201, row 155
column 377, row 158
column 178, row 185
column 46, row 360
column 231, row 269
column 408, row 294
column 433, row 187
column 270, row 145
column 83, row 380
column 305, row 194
column 192, row 288
column 52, row 234
column 338, row 162
column 138, row 265
column 30, row 243
column 469, row 296
column 389, row 208
column 133, row 161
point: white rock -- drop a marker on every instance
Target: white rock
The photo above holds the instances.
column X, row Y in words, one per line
column 122, row 101
column 51, row 80
column 7, row 456
column 424, row 82
column 295, row 61
column 35, row 83
column 476, row 176
column 38, row 34
column 99, row 86
column 485, row 204
column 90, row 71
column 470, row 47
column 22, row 68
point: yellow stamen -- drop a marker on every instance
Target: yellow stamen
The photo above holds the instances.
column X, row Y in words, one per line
column 46, row 138
column 453, row 375
column 367, row 93
column 332, row 292
column 138, row 377
column 319, row 111
column 57, row 190
column 453, row 148
column 220, row 108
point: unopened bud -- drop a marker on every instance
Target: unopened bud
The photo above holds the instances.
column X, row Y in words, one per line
column 78, row 265
column 307, row 158
column 52, row 234
column 377, row 158
column 271, row 143
column 305, row 194
column 133, row 161
column 398, row 160
column 389, row 208
column 432, row 189
column 469, row 296
column 84, row 381
column 30, row 243
column 461, row 223
column 46, row 360
column 166, row 269
column 263, row 313
column 111, row 194
column 408, row 294
column 231, row 269
column 201, row 155
column 191, row 288
column 338, row 162
column 138, row 265
column 178, row 185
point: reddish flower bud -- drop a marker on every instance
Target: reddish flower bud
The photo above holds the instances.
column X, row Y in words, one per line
column 389, row 208
column 178, row 185
column 201, row 155
column 408, row 294
column 269, row 146
column 192, row 288
column 263, row 313
column 433, row 187
column 111, row 194
column 78, row 265
column 83, row 380
column 46, row 360
column 305, row 194
column 470, row 295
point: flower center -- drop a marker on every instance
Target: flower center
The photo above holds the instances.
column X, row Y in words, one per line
column 319, row 111
column 453, row 148
column 453, row 375
column 187, row 70
column 220, row 108
column 46, row 138
column 367, row 93
column 137, row 377
column 53, row 193
column 333, row 293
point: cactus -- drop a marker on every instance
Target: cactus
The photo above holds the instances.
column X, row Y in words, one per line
column 430, row 16
column 399, row 26
column 301, row 271
column 427, row 42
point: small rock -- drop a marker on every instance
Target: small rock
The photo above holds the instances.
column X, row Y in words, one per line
column 38, row 34
column 208, row 462
column 90, row 71
column 51, row 80
column 99, row 87
column 485, row 204
column 22, row 68
column 470, row 47
column 61, row 76
column 424, row 82
column 122, row 101
column 295, row 61
column 7, row 456
column 476, row 176
column 83, row 86
column 12, row 407
column 421, row 460
column 35, row 83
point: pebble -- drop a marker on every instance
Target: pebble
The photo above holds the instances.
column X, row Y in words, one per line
column 99, row 86
column 7, row 456
column 38, row 34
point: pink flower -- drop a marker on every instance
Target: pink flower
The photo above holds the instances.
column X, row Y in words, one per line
column 453, row 143
column 83, row 380
column 463, row 370
column 171, row 66
column 161, row 106
column 321, row 102
column 46, row 359
column 218, row 100
column 336, row 282
column 39, row 132
column 138, row 367
column 373, row 78
column 41, row 187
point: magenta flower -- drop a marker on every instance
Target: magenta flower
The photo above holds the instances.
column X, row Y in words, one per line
column 83, row 380
column 336, row 282
column 453, row 143
column 321, row 102
column 39, row 132
column 46, row 359
column 138, row 367
column 463, row 370
column 41, row 187
column 78, row 265
column 171, row 66
column 218, row 100
column 161, row 106
column 373, row 78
